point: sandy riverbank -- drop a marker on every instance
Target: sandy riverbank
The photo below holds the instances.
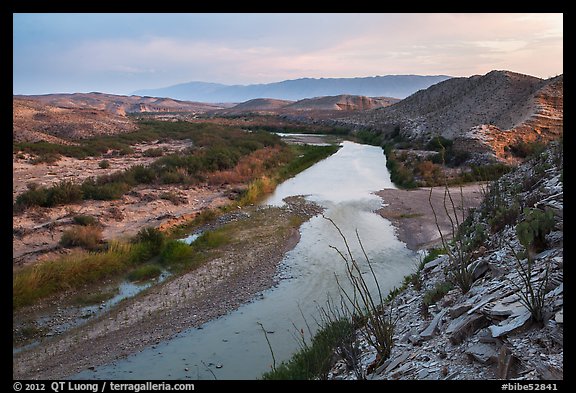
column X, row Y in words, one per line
column 411, row 214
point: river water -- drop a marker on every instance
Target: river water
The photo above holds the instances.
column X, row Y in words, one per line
column 234, row 346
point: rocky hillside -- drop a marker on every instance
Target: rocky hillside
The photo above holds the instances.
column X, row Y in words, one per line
column 316, row 107
column 36, row 121
column 481, row 113
column 343, row 102
column 120, row 105
column 487, row 332
column 52, row 117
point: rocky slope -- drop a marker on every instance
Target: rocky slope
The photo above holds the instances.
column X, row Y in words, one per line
column 486, row 333
column 120, row 105
column 36, row 121
column 57, row 117
column 317, row 107
column 482, row 113
column 343, row 102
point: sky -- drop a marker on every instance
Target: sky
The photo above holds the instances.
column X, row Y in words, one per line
column 121, row 53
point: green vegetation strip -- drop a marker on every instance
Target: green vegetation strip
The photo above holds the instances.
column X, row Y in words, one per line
column 316, row 358
column 215, row 149
column 81, row 268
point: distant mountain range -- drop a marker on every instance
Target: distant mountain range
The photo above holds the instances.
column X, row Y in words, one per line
column 397, row 86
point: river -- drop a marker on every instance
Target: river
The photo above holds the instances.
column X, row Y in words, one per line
column 234, row 346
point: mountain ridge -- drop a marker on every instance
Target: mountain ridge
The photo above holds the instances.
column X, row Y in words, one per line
column 398, row 86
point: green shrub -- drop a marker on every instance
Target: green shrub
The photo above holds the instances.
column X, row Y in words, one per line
column 533, row 229
column 433, row 295
column 432, row 254
column 145, row 272
column 503, row 215
column 439, row 143
column 176, row 252
column 104, row 192
column 88, row 237
column 173, row 177
column 32, row 197
column 59, row 194
column 209, row 240
column 75, row 270
column 46, row 158
column 152, row 236
column 315, row 359
column 142, row 174
column 523, row 149
column 64, row 192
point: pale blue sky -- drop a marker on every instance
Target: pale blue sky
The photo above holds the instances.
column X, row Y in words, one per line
column 120, row 53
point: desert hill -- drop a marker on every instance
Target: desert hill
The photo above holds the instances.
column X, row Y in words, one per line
column 343, row 102
column 480, row 112
column 52, row 117
column 316, row 107
column 119, row 104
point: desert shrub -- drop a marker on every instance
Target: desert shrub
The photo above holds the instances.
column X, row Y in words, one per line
column 415, row 279
column 533, row 229
column 523, row 149
column 503, row 215
column 531, row 232
column 88, row 237
column 32, row 197
column 84, row 220
column 429, row 171
column 151, row 236
column 104, row 164
column 64, row 192
column 104, row 192
column 485, row 172
column 59, row 194
column 154, row 152
column 431, row 296
column 438, row 143
column 142, row 174
column 174, row 177
column 46, row 158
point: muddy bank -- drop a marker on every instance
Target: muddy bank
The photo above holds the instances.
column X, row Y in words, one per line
column 216, row 288
column 411, row 214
